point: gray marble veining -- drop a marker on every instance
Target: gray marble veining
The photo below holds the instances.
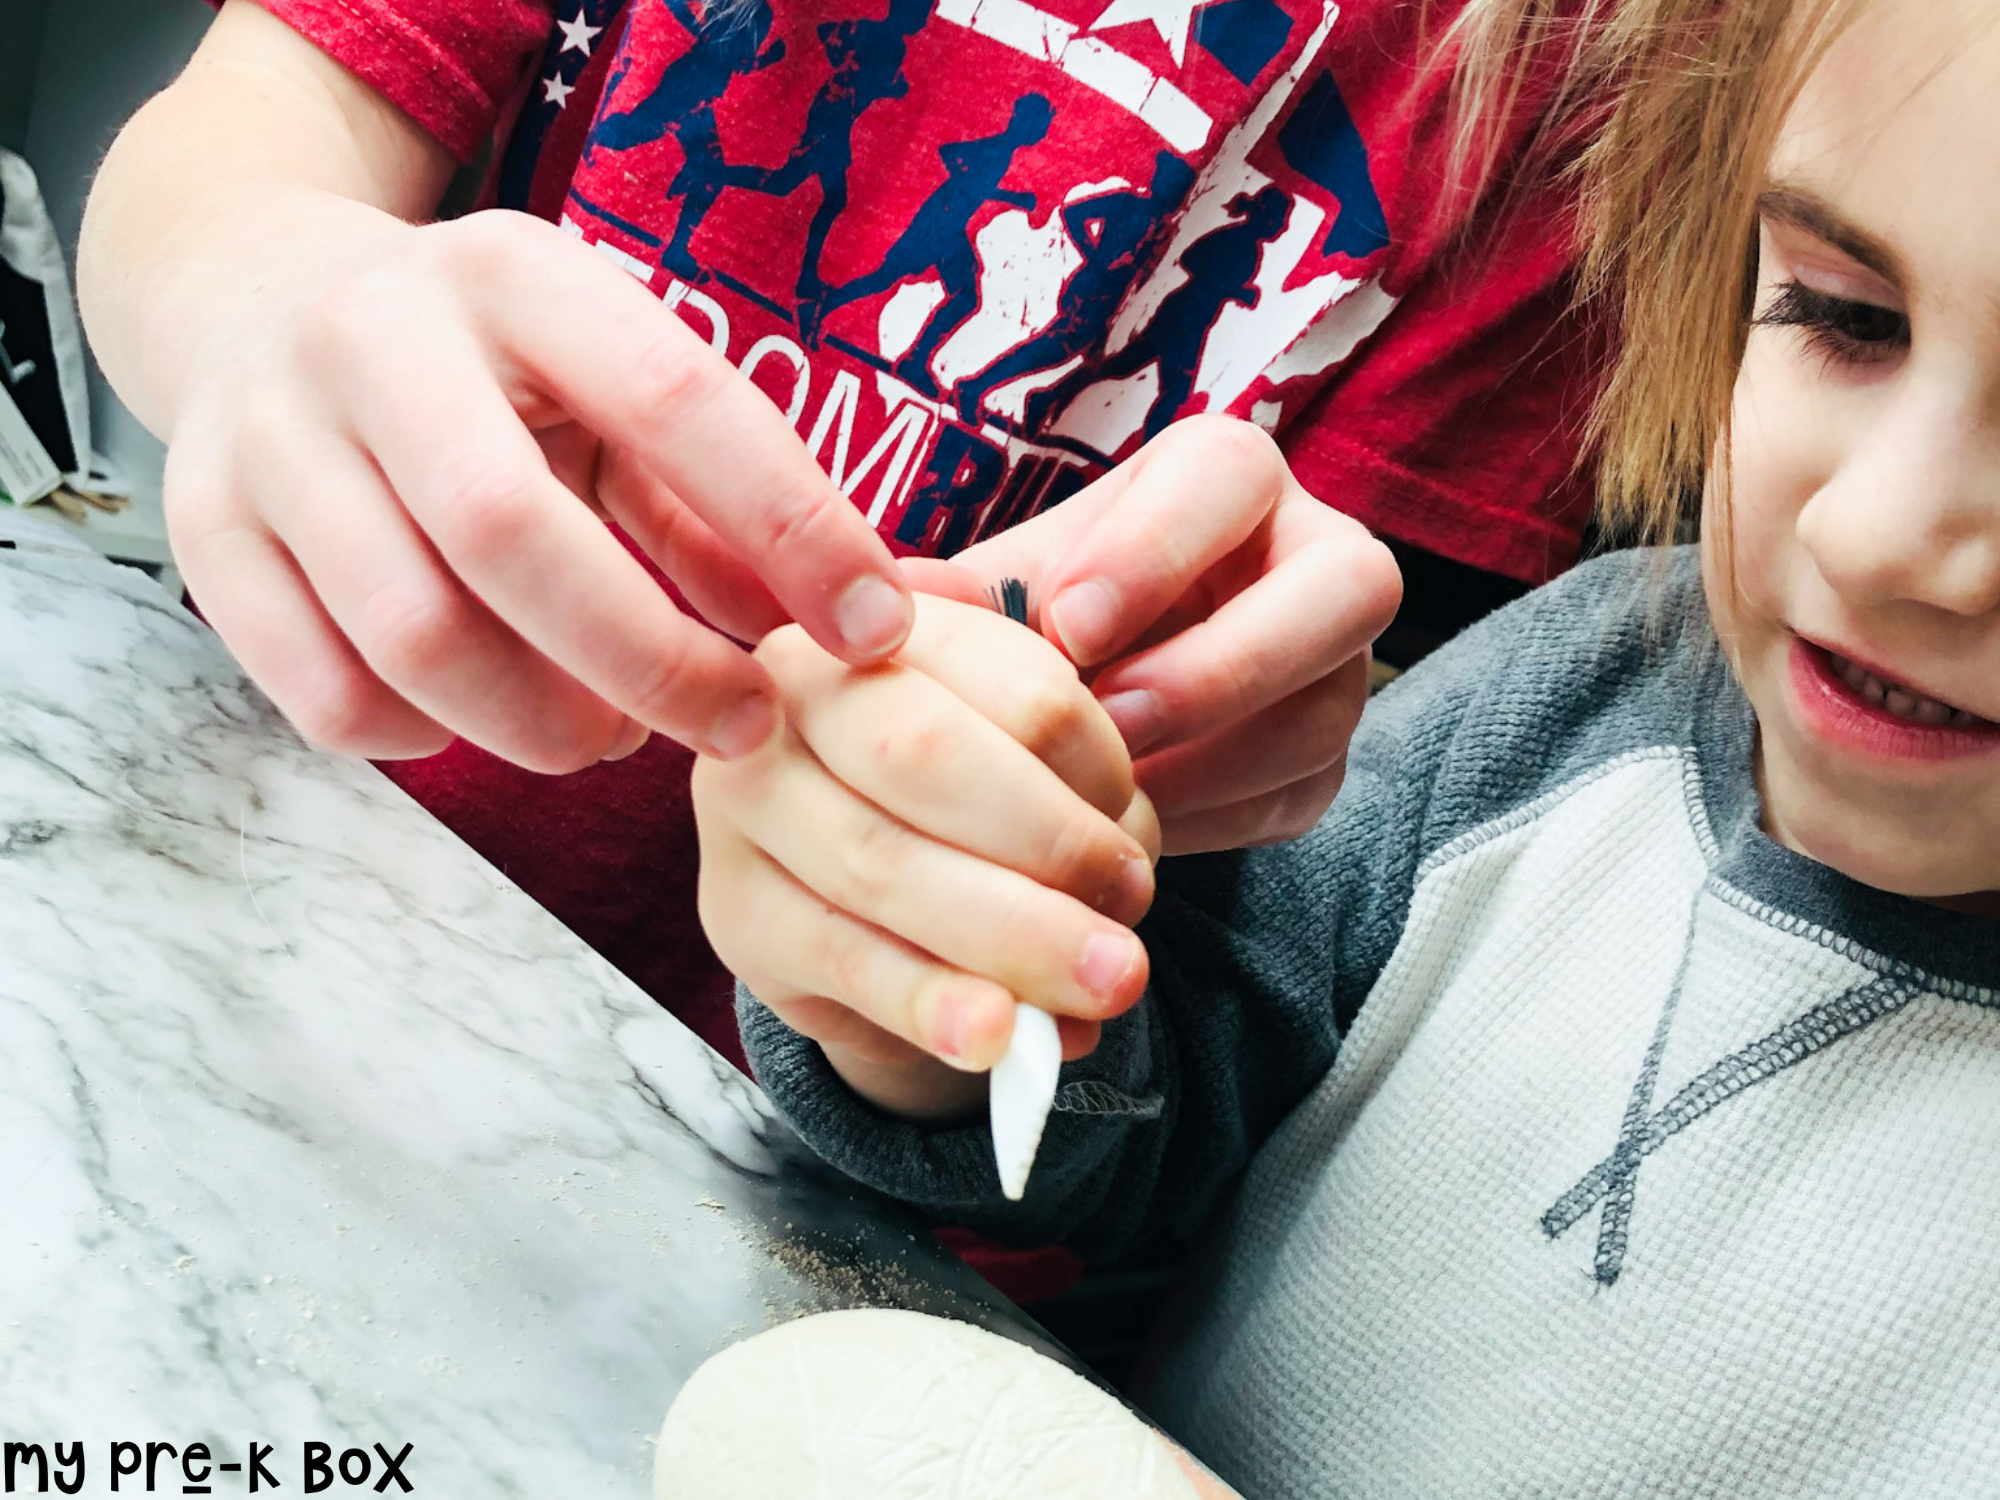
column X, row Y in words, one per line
column 312, row 1127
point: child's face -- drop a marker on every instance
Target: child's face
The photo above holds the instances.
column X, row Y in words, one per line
column 1864, row 509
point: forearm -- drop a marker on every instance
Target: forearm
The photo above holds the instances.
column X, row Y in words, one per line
column 234, row 192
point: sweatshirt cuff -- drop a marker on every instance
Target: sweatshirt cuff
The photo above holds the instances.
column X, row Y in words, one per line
column 948, row 1172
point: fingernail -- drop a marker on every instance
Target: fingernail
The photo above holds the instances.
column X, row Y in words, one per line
column 1129, row 892
column 951, row 1029
column 630, row 742
column 744, row 728
column 1107, row 963
column 872, row 616
column 1136, row 884
column 1140, row 716
column 1085, row 618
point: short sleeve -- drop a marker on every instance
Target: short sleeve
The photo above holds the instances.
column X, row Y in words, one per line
column 450, row 65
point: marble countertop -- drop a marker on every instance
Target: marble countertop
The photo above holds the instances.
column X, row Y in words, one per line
column 312, row 1128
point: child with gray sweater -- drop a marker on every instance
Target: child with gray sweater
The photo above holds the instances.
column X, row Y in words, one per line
column 1605, row 1098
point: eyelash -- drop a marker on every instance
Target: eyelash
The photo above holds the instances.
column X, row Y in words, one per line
column 1838, row 328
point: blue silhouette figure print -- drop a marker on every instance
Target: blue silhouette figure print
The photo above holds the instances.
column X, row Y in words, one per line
column 938, row 240
column 867, row 58
column 730, row 41
column 1221, row 269
column 1116, row 233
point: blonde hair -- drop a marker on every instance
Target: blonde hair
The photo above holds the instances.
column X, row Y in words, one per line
column 1682, row 100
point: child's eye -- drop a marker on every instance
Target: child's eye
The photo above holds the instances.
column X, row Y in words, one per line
column 1838, row 327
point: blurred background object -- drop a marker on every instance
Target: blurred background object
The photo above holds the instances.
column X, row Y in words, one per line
column 71, row 72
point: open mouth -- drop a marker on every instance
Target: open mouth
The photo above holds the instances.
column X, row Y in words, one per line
column 1876, row 715
column 1899, row 701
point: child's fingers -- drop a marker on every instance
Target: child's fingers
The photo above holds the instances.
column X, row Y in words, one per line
column 1300, row 737
column 1020, row 682
column 836, row 1024
column 911, row 747
column 728, row 594
column 1185, row 502
column 833, row 1023
column 418, row 628
column 791, row 948
column 253, row 595
column 972, row 915
column 619, row 489
column 1142, row 821
column 945, row 578
column 608, row 351
column 1324, row 589
column 457, row 456
column 1272, row 818
column 1079, row 1037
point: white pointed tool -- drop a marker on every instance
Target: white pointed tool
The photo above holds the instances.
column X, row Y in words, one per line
column 1022, row 1090
column 1023, row 1086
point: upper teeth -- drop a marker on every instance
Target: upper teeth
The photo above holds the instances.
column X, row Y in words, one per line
column 1898, row 699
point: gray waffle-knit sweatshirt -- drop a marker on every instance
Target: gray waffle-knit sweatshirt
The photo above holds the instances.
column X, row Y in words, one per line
column 1549, row 1130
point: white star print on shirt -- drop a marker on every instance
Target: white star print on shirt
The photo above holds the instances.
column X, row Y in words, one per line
column 556, row 92
column 1173, row 19
column 577, row 34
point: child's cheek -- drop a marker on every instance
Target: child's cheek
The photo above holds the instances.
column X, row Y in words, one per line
column 1784, row 448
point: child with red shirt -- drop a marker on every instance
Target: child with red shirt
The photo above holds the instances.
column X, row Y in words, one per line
column 974, row 254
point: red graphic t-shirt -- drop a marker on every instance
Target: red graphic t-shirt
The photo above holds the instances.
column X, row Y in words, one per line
column 978, row 251
column 981, row 250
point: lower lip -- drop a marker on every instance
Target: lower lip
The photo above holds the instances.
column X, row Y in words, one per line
column 1835, row 712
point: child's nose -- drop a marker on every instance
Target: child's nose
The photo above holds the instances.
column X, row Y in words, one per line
column 1913, row 516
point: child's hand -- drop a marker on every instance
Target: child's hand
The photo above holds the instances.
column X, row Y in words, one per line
column 1225, row 615
column 393, row 446
column 391, row 505
column 928, row 840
